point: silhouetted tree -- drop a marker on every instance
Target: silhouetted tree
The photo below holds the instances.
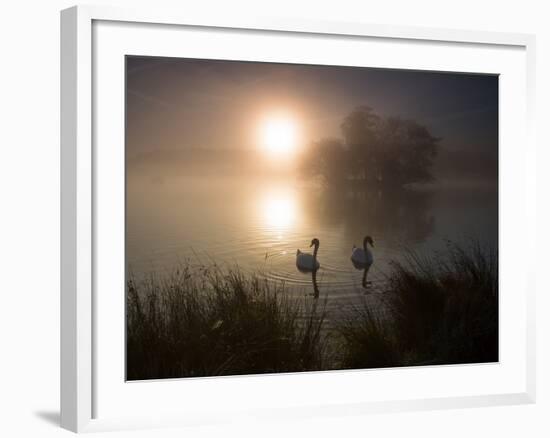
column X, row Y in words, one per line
column 405, row 153
column 361, row 135
column 330, row 160
column 376, row 151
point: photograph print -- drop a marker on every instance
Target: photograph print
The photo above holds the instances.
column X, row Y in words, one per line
column 289, row 218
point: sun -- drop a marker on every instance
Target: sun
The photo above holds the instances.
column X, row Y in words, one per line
column 279, row 136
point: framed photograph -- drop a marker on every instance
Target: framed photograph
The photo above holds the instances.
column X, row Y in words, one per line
column 283, row 218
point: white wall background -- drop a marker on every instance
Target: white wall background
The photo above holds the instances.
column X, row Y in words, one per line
column 29, row 215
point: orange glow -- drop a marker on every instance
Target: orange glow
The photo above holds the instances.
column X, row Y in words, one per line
column 279, row 136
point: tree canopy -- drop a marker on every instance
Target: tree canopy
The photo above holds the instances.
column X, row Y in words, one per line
column 375, row 151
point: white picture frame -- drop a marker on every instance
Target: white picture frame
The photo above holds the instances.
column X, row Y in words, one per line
column 85, row 374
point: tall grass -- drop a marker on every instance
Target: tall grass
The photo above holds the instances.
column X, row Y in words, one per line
column 436, row 309
column 209, row 322
column 367, row 340
column 443, row 309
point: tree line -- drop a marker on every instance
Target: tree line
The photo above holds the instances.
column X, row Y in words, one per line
column 374, row 151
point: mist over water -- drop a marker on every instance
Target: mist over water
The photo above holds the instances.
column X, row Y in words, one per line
column 241, row 164
column 258, row 224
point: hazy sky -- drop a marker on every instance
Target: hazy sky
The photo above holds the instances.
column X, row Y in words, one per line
column 177, row 103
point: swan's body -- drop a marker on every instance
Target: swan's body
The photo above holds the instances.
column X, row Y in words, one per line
column 308, row 262
column 363, row 257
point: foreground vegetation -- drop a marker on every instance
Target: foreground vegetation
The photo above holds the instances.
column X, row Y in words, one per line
column 440, row 310
column 209, row 322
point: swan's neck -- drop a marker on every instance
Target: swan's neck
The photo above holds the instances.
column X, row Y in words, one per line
column 315, row 251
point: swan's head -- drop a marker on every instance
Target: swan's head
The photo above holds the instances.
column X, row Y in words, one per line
column 314, row 242
column 368, row 239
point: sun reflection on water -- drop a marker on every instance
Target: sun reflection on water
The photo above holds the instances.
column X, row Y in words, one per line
column 279, row 211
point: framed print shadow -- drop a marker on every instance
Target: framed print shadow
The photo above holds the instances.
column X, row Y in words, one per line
column 309, row 208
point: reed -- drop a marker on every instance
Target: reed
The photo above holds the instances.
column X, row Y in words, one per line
column 208, row 321
column 211, row 322
column 440, row 309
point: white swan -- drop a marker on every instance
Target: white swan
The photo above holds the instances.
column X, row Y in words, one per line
column 363, row 257
column 307, row 262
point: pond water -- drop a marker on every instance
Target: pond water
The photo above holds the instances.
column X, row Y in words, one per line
column 259, row 224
